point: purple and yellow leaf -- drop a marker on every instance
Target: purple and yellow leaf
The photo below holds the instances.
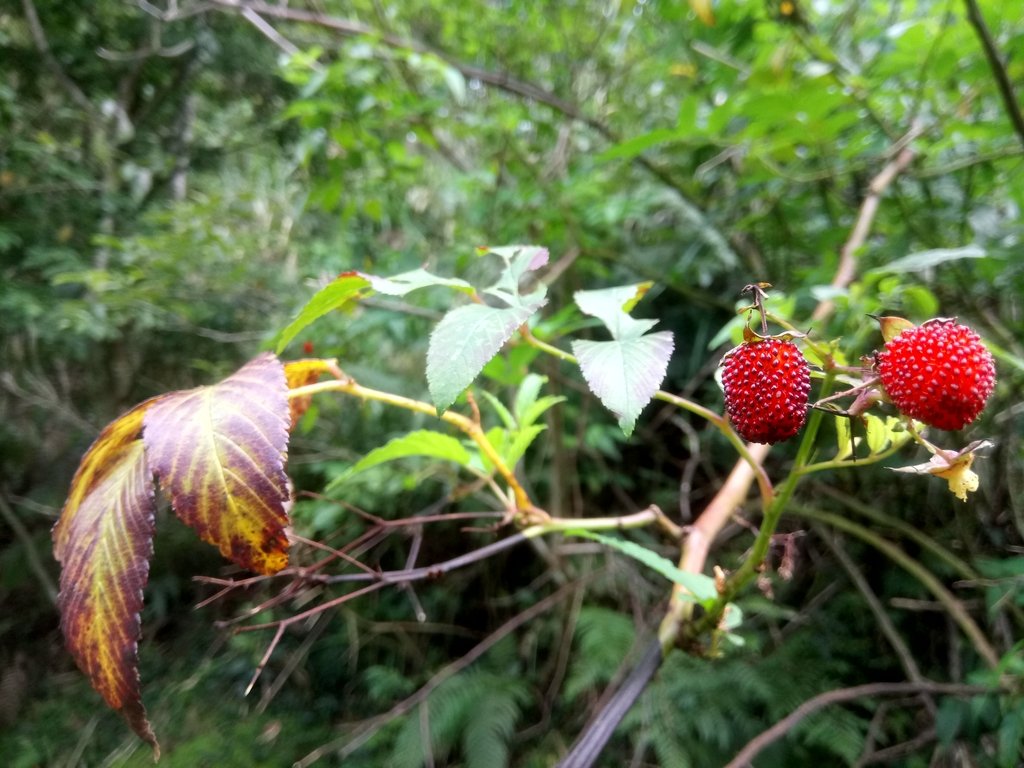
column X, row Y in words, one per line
column 219, row 453
column 104, row 540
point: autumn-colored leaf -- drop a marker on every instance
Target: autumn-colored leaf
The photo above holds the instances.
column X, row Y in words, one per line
column 103, row 540
column 219, row 453
column 703, row 10
column 299, row 373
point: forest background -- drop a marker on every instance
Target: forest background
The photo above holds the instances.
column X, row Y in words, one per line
column 177, row 179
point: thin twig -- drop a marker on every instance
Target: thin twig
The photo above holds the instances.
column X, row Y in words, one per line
column 998, row 67
column 885, row 623
column 847, row 267
column 270, row 33
column 292, row 663
column 503, row 81
column 28, row 546
column 39, row 38
column 746, row 755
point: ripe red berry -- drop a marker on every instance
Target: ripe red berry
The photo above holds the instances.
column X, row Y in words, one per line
column 766, row 385
column 939, row 373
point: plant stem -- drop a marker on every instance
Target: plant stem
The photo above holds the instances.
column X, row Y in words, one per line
column 863, row 461
column 523, row 505
column 773, row 512
column 652, row 514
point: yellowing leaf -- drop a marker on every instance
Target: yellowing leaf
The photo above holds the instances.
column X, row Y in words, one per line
column 703, row 10
column 299, row 373
column 843, row 438
column 103, row 540
column 877, row 433
column 219, row 453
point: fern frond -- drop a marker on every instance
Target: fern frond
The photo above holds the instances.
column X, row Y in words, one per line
column 603, row 638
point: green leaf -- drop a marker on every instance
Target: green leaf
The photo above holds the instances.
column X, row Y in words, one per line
column 511, row 445
column 612, row 305
column 465, row 339
column 423, row 442
column 339, row 292
column 400, row 285
column 627, row 150
column 522, row 439
column 922, row 260
column 499, row 407
column 732, row 618
column 519, row 259
column 529, row 391
column 528, row 407
column 701, row 587
column 535, row 410
column 625, row 374
column 350, row 286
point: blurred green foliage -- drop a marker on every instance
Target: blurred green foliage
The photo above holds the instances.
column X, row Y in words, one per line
column 173, row 189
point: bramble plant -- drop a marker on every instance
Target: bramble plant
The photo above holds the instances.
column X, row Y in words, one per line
column 219, row 452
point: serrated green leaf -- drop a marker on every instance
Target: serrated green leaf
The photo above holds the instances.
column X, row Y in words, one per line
column 877, row 433
column 465, row 339
column 519, row 259
column 423, row 442
column 343, row 289
column 625, row 374
column 701, row 587
column 612, row 306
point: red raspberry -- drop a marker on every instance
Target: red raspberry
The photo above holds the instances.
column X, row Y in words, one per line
column 766, row 384
column 939, row 373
